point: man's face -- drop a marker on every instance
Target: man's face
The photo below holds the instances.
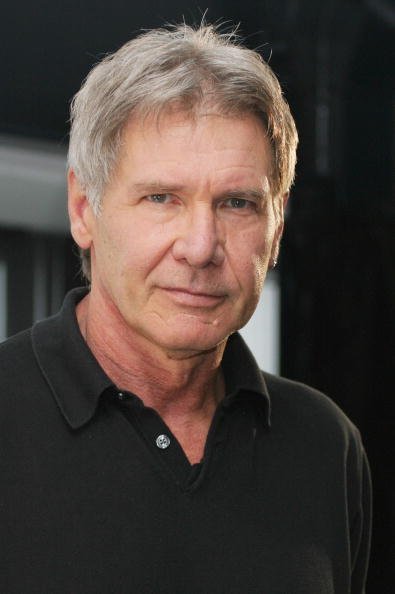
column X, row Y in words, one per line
column 182, row 245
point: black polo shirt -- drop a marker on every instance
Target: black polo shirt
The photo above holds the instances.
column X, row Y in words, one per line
column 98, row 497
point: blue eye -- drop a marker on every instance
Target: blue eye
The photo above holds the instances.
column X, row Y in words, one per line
column 158, row 198
column 238, row 202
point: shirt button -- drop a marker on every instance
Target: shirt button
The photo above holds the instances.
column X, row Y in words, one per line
column 162, row 441
column 121, row 395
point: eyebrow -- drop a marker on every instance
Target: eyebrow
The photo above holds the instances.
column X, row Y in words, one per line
column 258, row 195
column 159, row 187
column 155, row 187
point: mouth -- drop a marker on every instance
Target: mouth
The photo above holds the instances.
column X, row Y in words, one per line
column 187, row 297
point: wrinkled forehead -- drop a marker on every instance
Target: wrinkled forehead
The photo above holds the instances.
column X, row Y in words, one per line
column 179, row 114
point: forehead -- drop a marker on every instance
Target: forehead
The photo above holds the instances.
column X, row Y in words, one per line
column 208, row 144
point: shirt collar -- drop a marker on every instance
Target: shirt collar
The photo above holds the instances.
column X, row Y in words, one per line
column 243, row 378
column 77, row 381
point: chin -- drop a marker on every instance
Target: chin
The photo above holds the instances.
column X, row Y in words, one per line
column 187, row 341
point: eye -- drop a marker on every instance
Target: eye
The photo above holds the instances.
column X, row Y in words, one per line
column 239, row 204
column 159, row 198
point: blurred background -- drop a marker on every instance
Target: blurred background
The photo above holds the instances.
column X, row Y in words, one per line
column 327, row 317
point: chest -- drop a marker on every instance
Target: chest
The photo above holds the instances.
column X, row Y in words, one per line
column 108, row 510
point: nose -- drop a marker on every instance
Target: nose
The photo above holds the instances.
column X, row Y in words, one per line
column 200, row 239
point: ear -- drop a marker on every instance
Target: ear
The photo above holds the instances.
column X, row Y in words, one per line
column 80, row 212
column 282, row 203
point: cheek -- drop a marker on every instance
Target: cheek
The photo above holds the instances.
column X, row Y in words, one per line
column 108, row 251
column 133, row 249
column 257, row 248
column 257, row 262
column 260, row 264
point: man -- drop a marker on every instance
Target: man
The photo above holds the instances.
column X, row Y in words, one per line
column 143, row 450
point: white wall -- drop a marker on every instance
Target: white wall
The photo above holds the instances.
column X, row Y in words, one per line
column 262, row 333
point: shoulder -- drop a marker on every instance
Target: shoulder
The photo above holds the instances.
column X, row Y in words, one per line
column 309, row 411
column 20, row 375
column 301, row 398
column 16, row 353
column 314, row 430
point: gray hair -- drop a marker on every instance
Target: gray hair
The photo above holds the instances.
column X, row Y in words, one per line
column 176, row 67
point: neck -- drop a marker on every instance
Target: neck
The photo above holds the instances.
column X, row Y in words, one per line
column 179, row 386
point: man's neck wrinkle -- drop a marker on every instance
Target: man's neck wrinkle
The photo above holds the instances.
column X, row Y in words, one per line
column 185, row 387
